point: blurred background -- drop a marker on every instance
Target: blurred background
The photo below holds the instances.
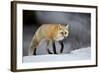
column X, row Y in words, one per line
column 79, row 29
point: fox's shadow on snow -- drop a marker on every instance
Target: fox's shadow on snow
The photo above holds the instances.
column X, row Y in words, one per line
column 79, row 29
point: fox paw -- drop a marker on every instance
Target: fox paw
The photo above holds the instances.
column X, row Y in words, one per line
column 49, row 51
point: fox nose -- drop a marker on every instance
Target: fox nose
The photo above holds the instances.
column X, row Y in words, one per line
column 64, row 37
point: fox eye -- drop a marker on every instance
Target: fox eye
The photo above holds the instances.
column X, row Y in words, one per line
column 61, row 32
column 65, row 32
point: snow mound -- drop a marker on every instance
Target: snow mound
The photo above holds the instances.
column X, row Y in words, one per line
column 79, row 54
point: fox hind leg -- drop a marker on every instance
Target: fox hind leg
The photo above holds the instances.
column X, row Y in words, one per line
column 33, row 47
column 34, row 52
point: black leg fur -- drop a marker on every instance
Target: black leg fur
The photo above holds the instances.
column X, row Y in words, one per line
column 34, row 53
column 62, row 46
column 49, row 51
column 54, row 48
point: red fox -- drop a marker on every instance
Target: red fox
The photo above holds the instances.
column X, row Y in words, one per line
column 49, row 32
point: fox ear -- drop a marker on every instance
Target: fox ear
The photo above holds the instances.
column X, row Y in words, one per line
column 67, row 26
column 59, row 26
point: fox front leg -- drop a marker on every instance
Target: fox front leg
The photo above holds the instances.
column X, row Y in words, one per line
column 54, row 47
column 49, row 52
column 62, row 46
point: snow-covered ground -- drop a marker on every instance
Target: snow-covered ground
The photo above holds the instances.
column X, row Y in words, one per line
column 80, row 54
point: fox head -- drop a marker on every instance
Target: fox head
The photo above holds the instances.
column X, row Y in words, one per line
column 63, row 32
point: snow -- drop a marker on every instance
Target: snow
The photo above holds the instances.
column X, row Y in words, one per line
column 79, row 54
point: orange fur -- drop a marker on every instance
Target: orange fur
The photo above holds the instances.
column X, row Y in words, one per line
column 49, row 32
